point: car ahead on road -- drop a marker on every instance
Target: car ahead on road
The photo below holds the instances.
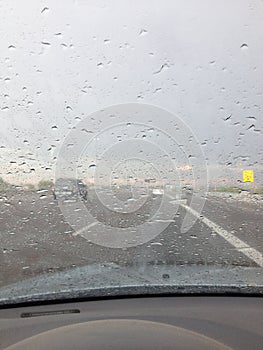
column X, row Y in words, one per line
column 157, row 191
column 67, row 188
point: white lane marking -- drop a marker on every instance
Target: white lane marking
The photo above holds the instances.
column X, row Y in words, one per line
column 241, row 246
column 84, row 229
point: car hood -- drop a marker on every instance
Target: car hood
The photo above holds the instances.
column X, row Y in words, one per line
column 108, row 280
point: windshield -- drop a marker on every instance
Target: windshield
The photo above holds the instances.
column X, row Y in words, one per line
column 131, row 145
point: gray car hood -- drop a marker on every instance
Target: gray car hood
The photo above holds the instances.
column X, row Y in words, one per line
column 107, row 280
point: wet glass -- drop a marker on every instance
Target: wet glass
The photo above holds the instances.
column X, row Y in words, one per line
column 131, row 143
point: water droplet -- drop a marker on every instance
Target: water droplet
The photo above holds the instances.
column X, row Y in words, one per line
column 92, row 165
column 228, row 117
column 45, row 43
column 244, row 46
column 42, row 191
column 163, row 66
column 143, row 32
column 45, row 9
column 87, row 131
column 43, row 196
column 157, row 89
column 11, row 47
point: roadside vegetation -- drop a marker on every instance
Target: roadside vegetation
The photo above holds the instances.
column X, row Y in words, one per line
column 5, row 186
column 258, row 190
column 45, row 184
column 234, row 189
column 228, row 189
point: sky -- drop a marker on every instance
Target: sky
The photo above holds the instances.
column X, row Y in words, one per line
column 64, row 61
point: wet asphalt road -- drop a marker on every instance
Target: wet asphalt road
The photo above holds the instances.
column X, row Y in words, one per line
column 36, row 238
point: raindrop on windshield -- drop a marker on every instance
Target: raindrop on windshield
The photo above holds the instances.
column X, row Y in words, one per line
column 143, row 32
column 46, row 43
column 157, row 89
column 45, row 9
column 163, row 66
column 244, row 46
column 228, row 117
column 252, row 126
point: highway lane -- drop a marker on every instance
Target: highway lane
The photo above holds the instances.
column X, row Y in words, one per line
column 243, row 219
column 35, row 237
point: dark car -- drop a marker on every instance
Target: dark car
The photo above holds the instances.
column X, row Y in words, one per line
column 69, row 188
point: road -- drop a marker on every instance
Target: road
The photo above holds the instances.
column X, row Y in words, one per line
column 36, row 238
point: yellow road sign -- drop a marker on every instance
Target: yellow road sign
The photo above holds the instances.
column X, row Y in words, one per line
column 248, row 176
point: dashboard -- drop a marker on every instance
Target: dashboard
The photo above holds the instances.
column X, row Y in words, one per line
column 173, row 322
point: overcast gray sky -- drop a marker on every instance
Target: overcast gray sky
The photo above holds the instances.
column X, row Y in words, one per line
column 64, row 60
